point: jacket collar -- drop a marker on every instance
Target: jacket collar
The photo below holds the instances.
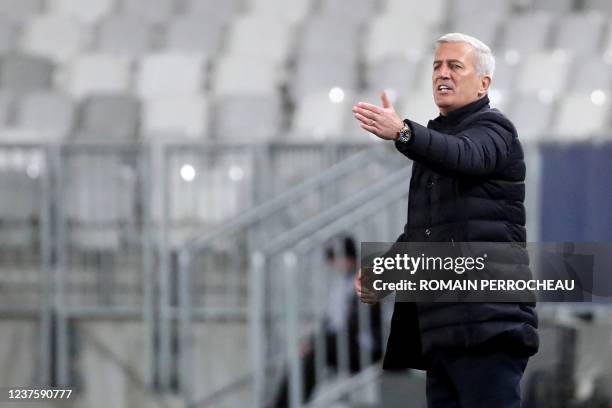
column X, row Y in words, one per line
column 456, row 116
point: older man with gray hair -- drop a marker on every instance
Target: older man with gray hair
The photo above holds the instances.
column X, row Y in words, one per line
column 467, row 185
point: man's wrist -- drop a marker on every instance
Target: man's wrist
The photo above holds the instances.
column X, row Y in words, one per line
column 405, row 134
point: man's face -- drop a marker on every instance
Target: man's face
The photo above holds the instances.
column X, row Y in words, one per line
column 455, row 79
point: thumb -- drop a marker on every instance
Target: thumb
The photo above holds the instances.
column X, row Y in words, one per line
column 386, row 100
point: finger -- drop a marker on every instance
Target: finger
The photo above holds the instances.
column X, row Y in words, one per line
column 370, row 107
column 368, row 122
column 386, row 100
column 366, row 113
column 369, row 128
column 364, row 120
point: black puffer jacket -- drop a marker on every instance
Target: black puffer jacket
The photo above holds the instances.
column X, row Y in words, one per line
column 467, row 185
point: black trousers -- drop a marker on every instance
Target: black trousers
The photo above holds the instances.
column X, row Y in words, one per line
column 474, row 379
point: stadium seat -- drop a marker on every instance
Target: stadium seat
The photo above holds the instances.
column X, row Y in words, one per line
column 419, row 107
column 607, row 41
column 228, row 76
column 58, row 37
column 321, row 115
column 262, row 112
column 156, row 11
column 20, row 10
column 582, row 115
column 504, row 77
column 531, row 116
column 433, row 12
column 397, row 74
column 109, row 117
column 598, row 5
column 170, row 74
column 537, row 73
column 316, row 74
column 98, row 199
column 86, row 12
column 23, row 73
column 7, row 105
column 353, row 10
column 486, row 30
column 45, row 116
column 8, row 35
column 124, row 35
column 213, row 10
column 98, row 73
column 496, row 9
column 291, row 11
column 190, row 34
column 260, row 36
column 556, row 6
column 390, row 36
column 535, row 26
column 317, row 30
column 182, row 116
column 580, row 33
column 591, row 73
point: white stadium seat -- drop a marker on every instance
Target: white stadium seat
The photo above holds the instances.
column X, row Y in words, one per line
column 58, row 37
column 180, row 116
column 260, row 36
column 88, row 11
column 98, row 73
column 170, row 74
column 537, row 73
column 582, row 115
column 229, row 77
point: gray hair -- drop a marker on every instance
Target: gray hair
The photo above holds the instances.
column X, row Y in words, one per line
column 485, row 62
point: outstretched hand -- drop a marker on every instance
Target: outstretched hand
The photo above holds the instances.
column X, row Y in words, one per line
column 383, row 122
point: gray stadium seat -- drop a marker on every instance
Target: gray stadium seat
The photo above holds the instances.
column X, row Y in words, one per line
column 432, row 12
column 505, row 75
column 590, row 73
column 354, row 10
column 556, row 6
column 22, row 73
column 8, row 35
column 580, row 33
column 98, row 73
column 316, row 34
column 7, row 106
column 389, row 36
column 607, row 42
column 263, row 36
column 213, row 10
column 228, row 75
column 317, row 117
column 58, row 37
column 152, row 11
column 397, row 74
column 46, row 116
column 109, row 117
column 599, row 5
column 486, row 30
column 582, row 115
column 191, row 34
column 531, row 116
column 316, row 74
column 535, row 26
column 263, row 113
column 498, row 9
column 183, row 116
column 88, row 11
column 170, row 73
column 124, row 35
column 291, row 11
column 536, row 74
column 20, row 10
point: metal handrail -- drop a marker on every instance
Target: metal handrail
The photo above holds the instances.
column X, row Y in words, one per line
column 281, row 201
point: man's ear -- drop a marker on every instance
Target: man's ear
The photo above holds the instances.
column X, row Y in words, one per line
column 485, row 83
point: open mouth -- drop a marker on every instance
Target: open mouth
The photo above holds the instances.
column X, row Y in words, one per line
column 443, row 88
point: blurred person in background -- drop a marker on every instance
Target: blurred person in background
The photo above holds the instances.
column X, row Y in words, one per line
column 341, row 322
column 467, row 185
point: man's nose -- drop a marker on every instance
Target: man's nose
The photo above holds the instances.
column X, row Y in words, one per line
column 443, row 72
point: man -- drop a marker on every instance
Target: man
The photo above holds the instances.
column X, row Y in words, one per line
column 467, row 184
column 341, row 317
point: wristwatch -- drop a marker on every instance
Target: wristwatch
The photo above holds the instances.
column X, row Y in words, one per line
column 405, row 134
